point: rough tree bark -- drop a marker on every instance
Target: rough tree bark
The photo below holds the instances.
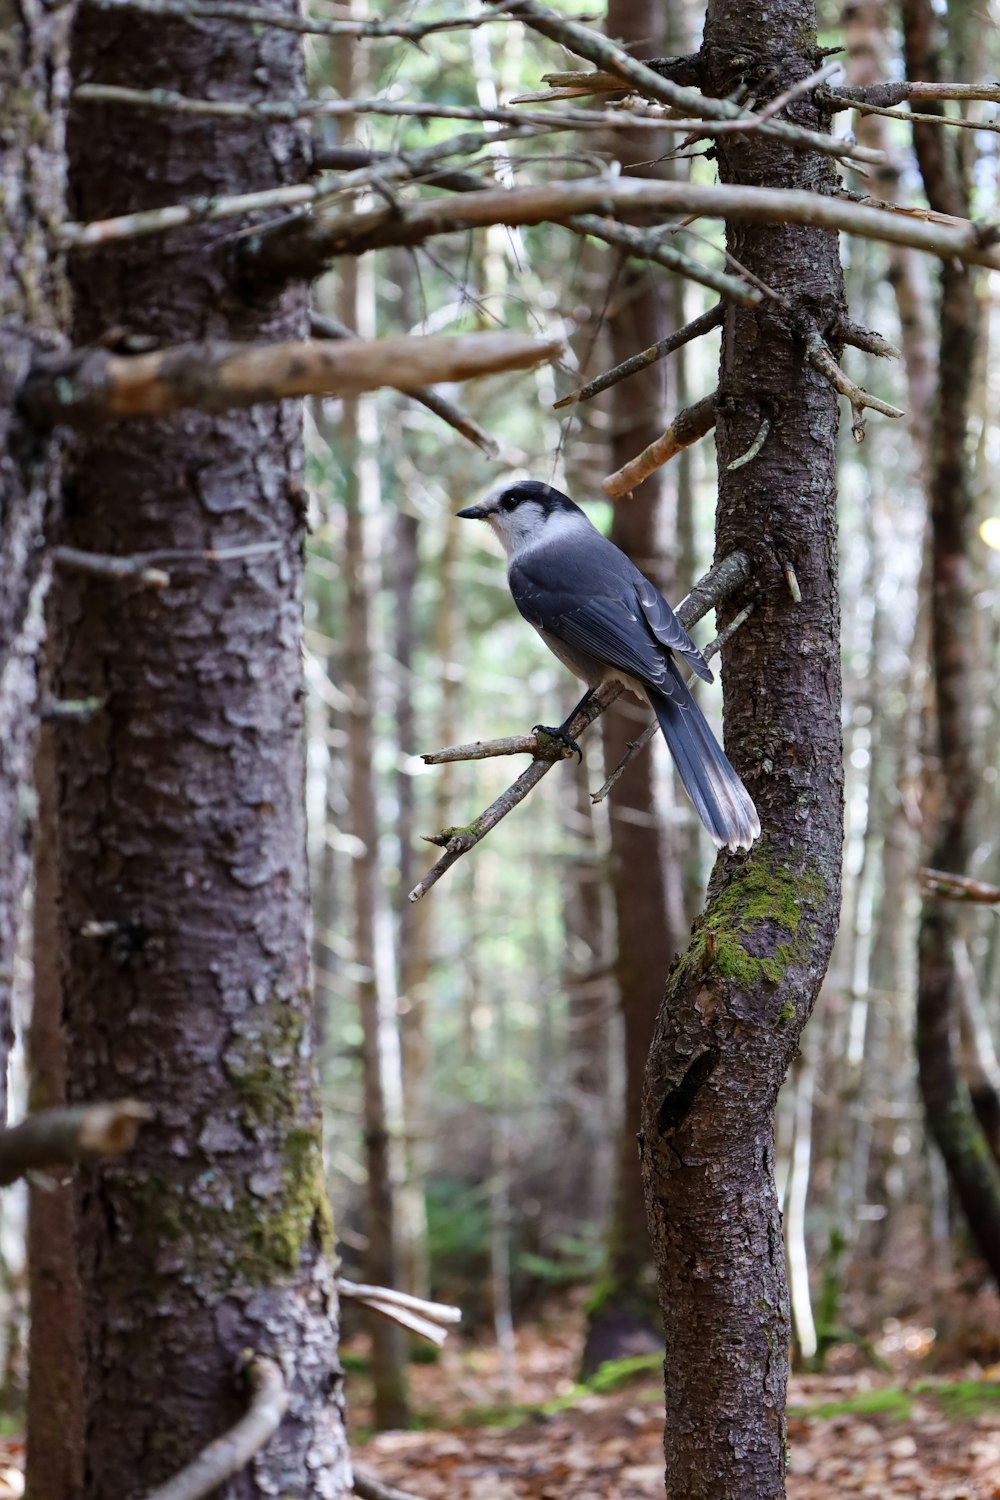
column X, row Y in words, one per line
column 740, row 994
column 972, row 1169
column 32, row 316
column 185, row 920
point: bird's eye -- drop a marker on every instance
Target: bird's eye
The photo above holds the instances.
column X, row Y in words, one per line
column 507, row 502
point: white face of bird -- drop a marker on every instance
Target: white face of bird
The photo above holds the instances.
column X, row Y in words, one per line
column 524, row 514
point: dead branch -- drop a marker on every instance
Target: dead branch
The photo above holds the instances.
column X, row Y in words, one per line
column 60, row 1137
column 650, row 245
column 959, row 122
column 724, row 579
column 370, row 1488
column 610, row 57
column 512, row 744
column 306, row 245
column 90, row 386
column 888, row 94
column 693, row 330
column 435, row 1312
column 231, row 1453
column 821, row 358
column 866, row 340
column 763, row 433
column 328, row 328
column 255, row 15
column 72, row 236
column 686, row 428
column 104, row 565
column 949, row 887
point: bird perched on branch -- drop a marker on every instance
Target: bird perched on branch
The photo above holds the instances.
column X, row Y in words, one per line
column 606, row 622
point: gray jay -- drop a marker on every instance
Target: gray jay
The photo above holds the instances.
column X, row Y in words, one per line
column 605, row 621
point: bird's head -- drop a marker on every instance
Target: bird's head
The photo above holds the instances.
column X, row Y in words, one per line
column 524, row 513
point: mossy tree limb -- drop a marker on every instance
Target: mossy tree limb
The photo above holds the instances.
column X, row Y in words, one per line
column 741, row 992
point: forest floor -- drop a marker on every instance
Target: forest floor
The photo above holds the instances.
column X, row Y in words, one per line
column 885, row 1434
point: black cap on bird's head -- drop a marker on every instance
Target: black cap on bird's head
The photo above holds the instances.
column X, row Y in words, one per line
column 505, row 498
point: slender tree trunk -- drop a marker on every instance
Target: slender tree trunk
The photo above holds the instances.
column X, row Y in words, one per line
column 185, row 914
column 738, row 998
column 623, row 1318
column 972, row 1169
column 32, row 318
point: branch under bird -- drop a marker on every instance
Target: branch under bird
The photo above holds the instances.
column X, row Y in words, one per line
column 605, row 621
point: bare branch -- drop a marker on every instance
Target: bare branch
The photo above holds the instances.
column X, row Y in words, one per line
column 686, row 428
column 255, row 15
column 724, row 579
column 636, row 746
column 512, row 744
column 693, row 330
column 310, row 243
column 231, row 1453
column 607, row 55
column 60, row 1137
column 888, row 94
column 763, row 433
column 72, row 236
column 435, row 1312
column 649, row 244
column 104, row 565
column 821, row 359
column 90, row 386
column 910, row 114
column 951, row 887
column 328, row 328
column 865, row 339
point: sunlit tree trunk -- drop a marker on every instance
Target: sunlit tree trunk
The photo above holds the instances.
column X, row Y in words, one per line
column 185, row 914
column 743, row 989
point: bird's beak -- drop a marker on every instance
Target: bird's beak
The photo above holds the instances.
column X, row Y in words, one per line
column 472, row 513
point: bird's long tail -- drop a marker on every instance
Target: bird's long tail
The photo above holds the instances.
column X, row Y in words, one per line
column 721, row 800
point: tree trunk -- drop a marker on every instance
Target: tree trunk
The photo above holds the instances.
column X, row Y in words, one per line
column 182, row 840
column 972, row 1169
column 738, row 998
column 32, row 317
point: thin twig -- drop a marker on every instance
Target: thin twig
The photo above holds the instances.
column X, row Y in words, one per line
column 89, row 386
column 763, row 433
column 607, row 55
column 723, row 580
column 910, row 115
column 866, row 340
column 255, row 15
column 703, row 109
column 512, row 744
column 636, row 746
column 693, row 330
column 649, row 245
column 60, row 1137
column 686, row 428
column 104, row 565
column 323, row 327
column 888, row 94
column 230, row 1454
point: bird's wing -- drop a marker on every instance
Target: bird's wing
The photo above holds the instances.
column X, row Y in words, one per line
column 595, row 600
column 667, row 628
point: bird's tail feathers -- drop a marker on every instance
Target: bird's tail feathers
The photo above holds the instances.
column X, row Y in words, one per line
column 721, row 800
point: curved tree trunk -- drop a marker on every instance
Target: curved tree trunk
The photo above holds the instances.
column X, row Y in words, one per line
column 182, row 841
column 738, row 998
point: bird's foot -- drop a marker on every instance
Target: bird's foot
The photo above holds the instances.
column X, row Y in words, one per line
column 560, row 735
